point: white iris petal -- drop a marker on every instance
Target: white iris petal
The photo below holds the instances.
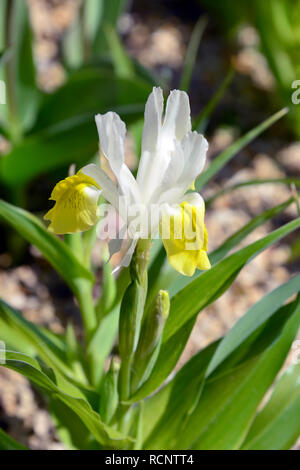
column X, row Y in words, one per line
column 172, row 158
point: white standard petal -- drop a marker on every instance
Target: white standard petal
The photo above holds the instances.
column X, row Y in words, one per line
column 151, row 136
column 153, row 120
column 112, row 131
column 194, row 148
column 177, row 122
column 186, row 164
column 157, row 167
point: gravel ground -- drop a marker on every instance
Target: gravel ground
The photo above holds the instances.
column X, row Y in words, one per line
column 159, row 42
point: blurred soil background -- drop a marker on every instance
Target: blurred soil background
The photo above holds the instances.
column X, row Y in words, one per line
column 157, row 34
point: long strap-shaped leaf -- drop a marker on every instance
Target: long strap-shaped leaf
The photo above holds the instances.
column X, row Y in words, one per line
column 236, row 147
column 165, row 412
column 33, row 335
column 174, row 282
column 42, row 346
column 277, row 426
column 231, row 242
column 200, row 292
column 55, row 251
column 190, row 378
column 253, row 319
column 32, row 370
column 227, row 405
column 191, row 54
column 254, row 182
column 8, row 443
column 186, row 305
column 201, row 121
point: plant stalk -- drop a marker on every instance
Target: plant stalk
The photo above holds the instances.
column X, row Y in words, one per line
column 85, row 299
column 131, row 313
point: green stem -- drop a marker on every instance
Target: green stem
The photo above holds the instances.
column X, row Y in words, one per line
column 131, row 313
column 85, row 299
column 124, row 378
column 106, row 301
column 73, row 240
column 88, row 242
column 84, row 292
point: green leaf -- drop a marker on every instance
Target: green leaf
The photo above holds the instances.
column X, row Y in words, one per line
column 191, row 372
column 65, row 130
column 4, row 56
column 74, row 45
column 28, row 95
column 252, row 320
column 8, row 443
column 202, row 120
column 54, row 250
column 165, row 412
column 228, row 403
column 186, row 305
column 93, row 14
column 33, row 336
column 48, row 350
column 254, row 182
column 76, row 142
column 191, row 54
column 231, row 242
column 98, row 90
column 110, row 13
column 109, row 288
column 221, row 160
column 33, row 371
column 22, row 93
column 2, row 24
column 161, row 275
column 69, row 427
column 277, row 426
column 234, row 345
column 102, row 342
column 123, row 65
column 14, row 339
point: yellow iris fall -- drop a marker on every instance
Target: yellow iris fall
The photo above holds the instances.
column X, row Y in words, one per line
column 186, row 242
column 76, row 204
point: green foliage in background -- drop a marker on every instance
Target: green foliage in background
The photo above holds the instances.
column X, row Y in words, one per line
column 277, row 23
column 120, row 386
column 222, row 385
column 50, row 131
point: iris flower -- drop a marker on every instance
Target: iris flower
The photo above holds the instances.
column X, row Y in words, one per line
column 172, row 157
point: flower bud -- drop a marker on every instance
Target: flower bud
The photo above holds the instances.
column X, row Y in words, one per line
column 128, row 320
column 150, row 339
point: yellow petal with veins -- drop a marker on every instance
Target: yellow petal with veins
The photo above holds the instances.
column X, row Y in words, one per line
column 186, row 246
column 76, row 204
